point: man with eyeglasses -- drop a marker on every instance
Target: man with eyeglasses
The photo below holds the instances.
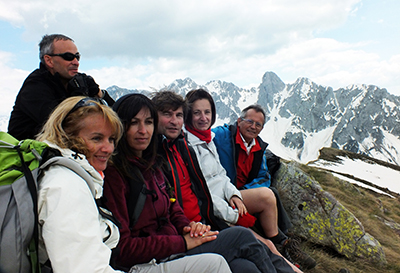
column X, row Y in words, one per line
column 56, row 79
column 249, row 164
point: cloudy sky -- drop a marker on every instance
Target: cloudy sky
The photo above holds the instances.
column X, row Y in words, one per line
column 142, row 44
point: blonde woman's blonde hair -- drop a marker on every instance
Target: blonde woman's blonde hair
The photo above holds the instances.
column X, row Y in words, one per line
column 66, row 121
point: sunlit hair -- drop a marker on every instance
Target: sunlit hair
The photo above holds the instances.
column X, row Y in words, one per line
column 168, row 100
column 127, row 107
column 46, row 45
column 255, row 107
column 195, row 95
column 62, row 128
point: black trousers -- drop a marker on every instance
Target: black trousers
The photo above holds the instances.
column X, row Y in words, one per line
column 243, row 252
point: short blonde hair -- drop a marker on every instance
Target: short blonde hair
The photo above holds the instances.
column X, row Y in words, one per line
column 65, row 122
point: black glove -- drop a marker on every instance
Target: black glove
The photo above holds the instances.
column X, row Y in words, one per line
column 83, row 85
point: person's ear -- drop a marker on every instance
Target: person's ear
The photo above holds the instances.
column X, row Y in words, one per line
column 238, row 120
column 48, row 61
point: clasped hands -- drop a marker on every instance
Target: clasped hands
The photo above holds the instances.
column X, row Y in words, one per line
column 197, row 233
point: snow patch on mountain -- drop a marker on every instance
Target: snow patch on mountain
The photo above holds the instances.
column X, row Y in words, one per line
column 372, row 172
column 352, row 181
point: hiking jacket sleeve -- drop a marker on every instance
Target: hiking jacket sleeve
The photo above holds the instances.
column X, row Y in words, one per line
column 158, row 231
column 219, row 184
column 40, row 93
column 225, row 147
column 71, row 233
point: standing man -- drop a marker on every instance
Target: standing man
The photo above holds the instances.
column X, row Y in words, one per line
column 56, row 79
column 244, row 156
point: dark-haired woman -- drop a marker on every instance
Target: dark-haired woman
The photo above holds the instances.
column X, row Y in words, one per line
column 161, row 229
column 74, row 237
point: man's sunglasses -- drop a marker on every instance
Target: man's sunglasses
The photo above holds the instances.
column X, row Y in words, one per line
column 68, row 56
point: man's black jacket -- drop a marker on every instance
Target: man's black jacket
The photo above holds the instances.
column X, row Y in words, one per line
column 40, row 93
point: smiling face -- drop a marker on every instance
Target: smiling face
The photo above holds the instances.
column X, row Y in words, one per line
column 201, row 114
column 170, row 123
column 248, row 129
column 99, row 138
column 140, row 131
column 56, row 64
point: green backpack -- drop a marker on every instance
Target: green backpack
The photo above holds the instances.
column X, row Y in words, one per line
column 19, row 167
column 21, row 164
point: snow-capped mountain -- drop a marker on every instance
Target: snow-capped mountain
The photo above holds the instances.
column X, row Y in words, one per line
column 303, row 117
column 361, row 119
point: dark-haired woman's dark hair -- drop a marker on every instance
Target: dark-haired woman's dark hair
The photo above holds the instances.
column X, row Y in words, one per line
column 195, row 95
column 127, row 107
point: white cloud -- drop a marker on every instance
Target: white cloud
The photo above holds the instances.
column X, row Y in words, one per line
column 142, row 44
column 331, row 63
column 11, row 80
column 324, row 61
column 200, row 29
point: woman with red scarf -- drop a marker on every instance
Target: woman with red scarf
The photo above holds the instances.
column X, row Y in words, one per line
column 227, row 199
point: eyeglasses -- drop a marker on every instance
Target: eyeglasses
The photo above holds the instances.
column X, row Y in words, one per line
column 251, row 122
column 84, row 103
column 68, row 56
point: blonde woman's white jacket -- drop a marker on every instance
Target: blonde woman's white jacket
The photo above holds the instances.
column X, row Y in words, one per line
column 218, row 182
column 71, row 229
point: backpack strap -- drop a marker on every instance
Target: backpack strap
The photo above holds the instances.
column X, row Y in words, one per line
column 138, row 195
column 139, row 206
column 30, row 181
column 137, row 190
column 75, row 167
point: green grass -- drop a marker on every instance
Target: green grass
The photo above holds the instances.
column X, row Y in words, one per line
column 370, row 208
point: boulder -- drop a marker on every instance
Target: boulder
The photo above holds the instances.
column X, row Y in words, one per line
column 318, row 217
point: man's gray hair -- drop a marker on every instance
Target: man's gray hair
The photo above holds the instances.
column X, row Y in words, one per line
column 256, row 107
column 46, row 45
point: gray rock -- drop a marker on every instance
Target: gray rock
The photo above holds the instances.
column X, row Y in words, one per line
column 318, row 217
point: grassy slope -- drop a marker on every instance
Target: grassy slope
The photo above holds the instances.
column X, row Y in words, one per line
column 370, row 208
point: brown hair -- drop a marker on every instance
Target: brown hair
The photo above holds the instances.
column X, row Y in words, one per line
column 199, row 94
column 169, row 100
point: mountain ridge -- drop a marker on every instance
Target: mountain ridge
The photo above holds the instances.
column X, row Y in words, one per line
column 303, row 117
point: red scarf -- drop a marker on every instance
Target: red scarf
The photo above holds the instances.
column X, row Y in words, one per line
column 202, row 135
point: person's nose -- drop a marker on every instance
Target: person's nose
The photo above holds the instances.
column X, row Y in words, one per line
column 142, row 128
column 108, row 147
column 173, row 119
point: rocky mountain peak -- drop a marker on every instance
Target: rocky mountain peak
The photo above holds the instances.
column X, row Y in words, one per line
column 304, row 116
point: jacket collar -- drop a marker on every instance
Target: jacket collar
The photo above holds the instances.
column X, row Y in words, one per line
column 164, row 141
column 82, row 161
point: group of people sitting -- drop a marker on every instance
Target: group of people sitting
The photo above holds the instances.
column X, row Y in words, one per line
column 180, row 196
